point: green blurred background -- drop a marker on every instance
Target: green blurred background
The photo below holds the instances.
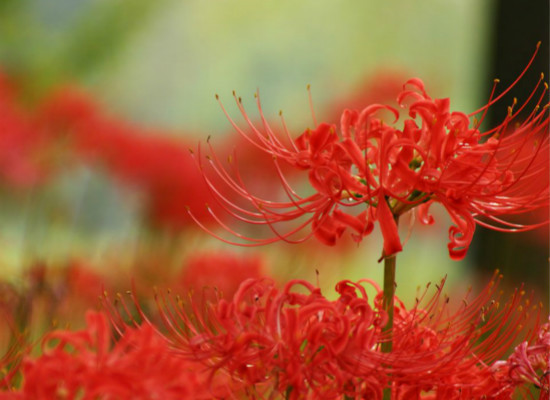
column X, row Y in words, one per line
column 159, row 64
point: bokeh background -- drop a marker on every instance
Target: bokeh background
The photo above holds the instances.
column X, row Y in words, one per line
column 102, row 99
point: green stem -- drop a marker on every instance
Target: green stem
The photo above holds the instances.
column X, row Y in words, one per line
column 388, row 305
column 388, row 298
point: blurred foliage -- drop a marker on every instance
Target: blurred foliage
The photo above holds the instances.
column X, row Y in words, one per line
column 48, row 43
column 193, row 49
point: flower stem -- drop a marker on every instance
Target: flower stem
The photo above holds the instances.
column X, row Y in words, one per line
column 388, row 298
column 387, row 302
column 388, row 305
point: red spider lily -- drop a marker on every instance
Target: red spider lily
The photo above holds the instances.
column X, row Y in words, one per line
column 479, row 177
column 294, row 342
column 283, row 342
column 83, row 364
column 152, row 162
column 530, row 362
column 455, row 354
column 370, row 171
column 223, row 271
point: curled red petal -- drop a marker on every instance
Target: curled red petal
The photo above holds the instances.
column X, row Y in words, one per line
column 388, row 226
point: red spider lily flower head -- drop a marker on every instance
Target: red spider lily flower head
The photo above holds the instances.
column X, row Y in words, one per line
column 479, row 176
column 456, row 353
column 368, row 170
column 294, row 342
column 530, row 362
column 83, row 364
column 152, row 162
column 222, row 271
column 289, row 342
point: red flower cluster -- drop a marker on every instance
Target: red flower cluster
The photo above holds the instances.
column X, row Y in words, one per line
column 296, row 343
column 83, row 364
column 293, row 343
column 530, row 362
column 437, row 156
column 458, row 355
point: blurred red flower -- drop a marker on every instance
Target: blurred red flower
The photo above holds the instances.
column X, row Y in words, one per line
column 530, row 362
column 222, row 271
column 379, row 87
column 153, row 162
column 140, row 365
column 23, row 148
